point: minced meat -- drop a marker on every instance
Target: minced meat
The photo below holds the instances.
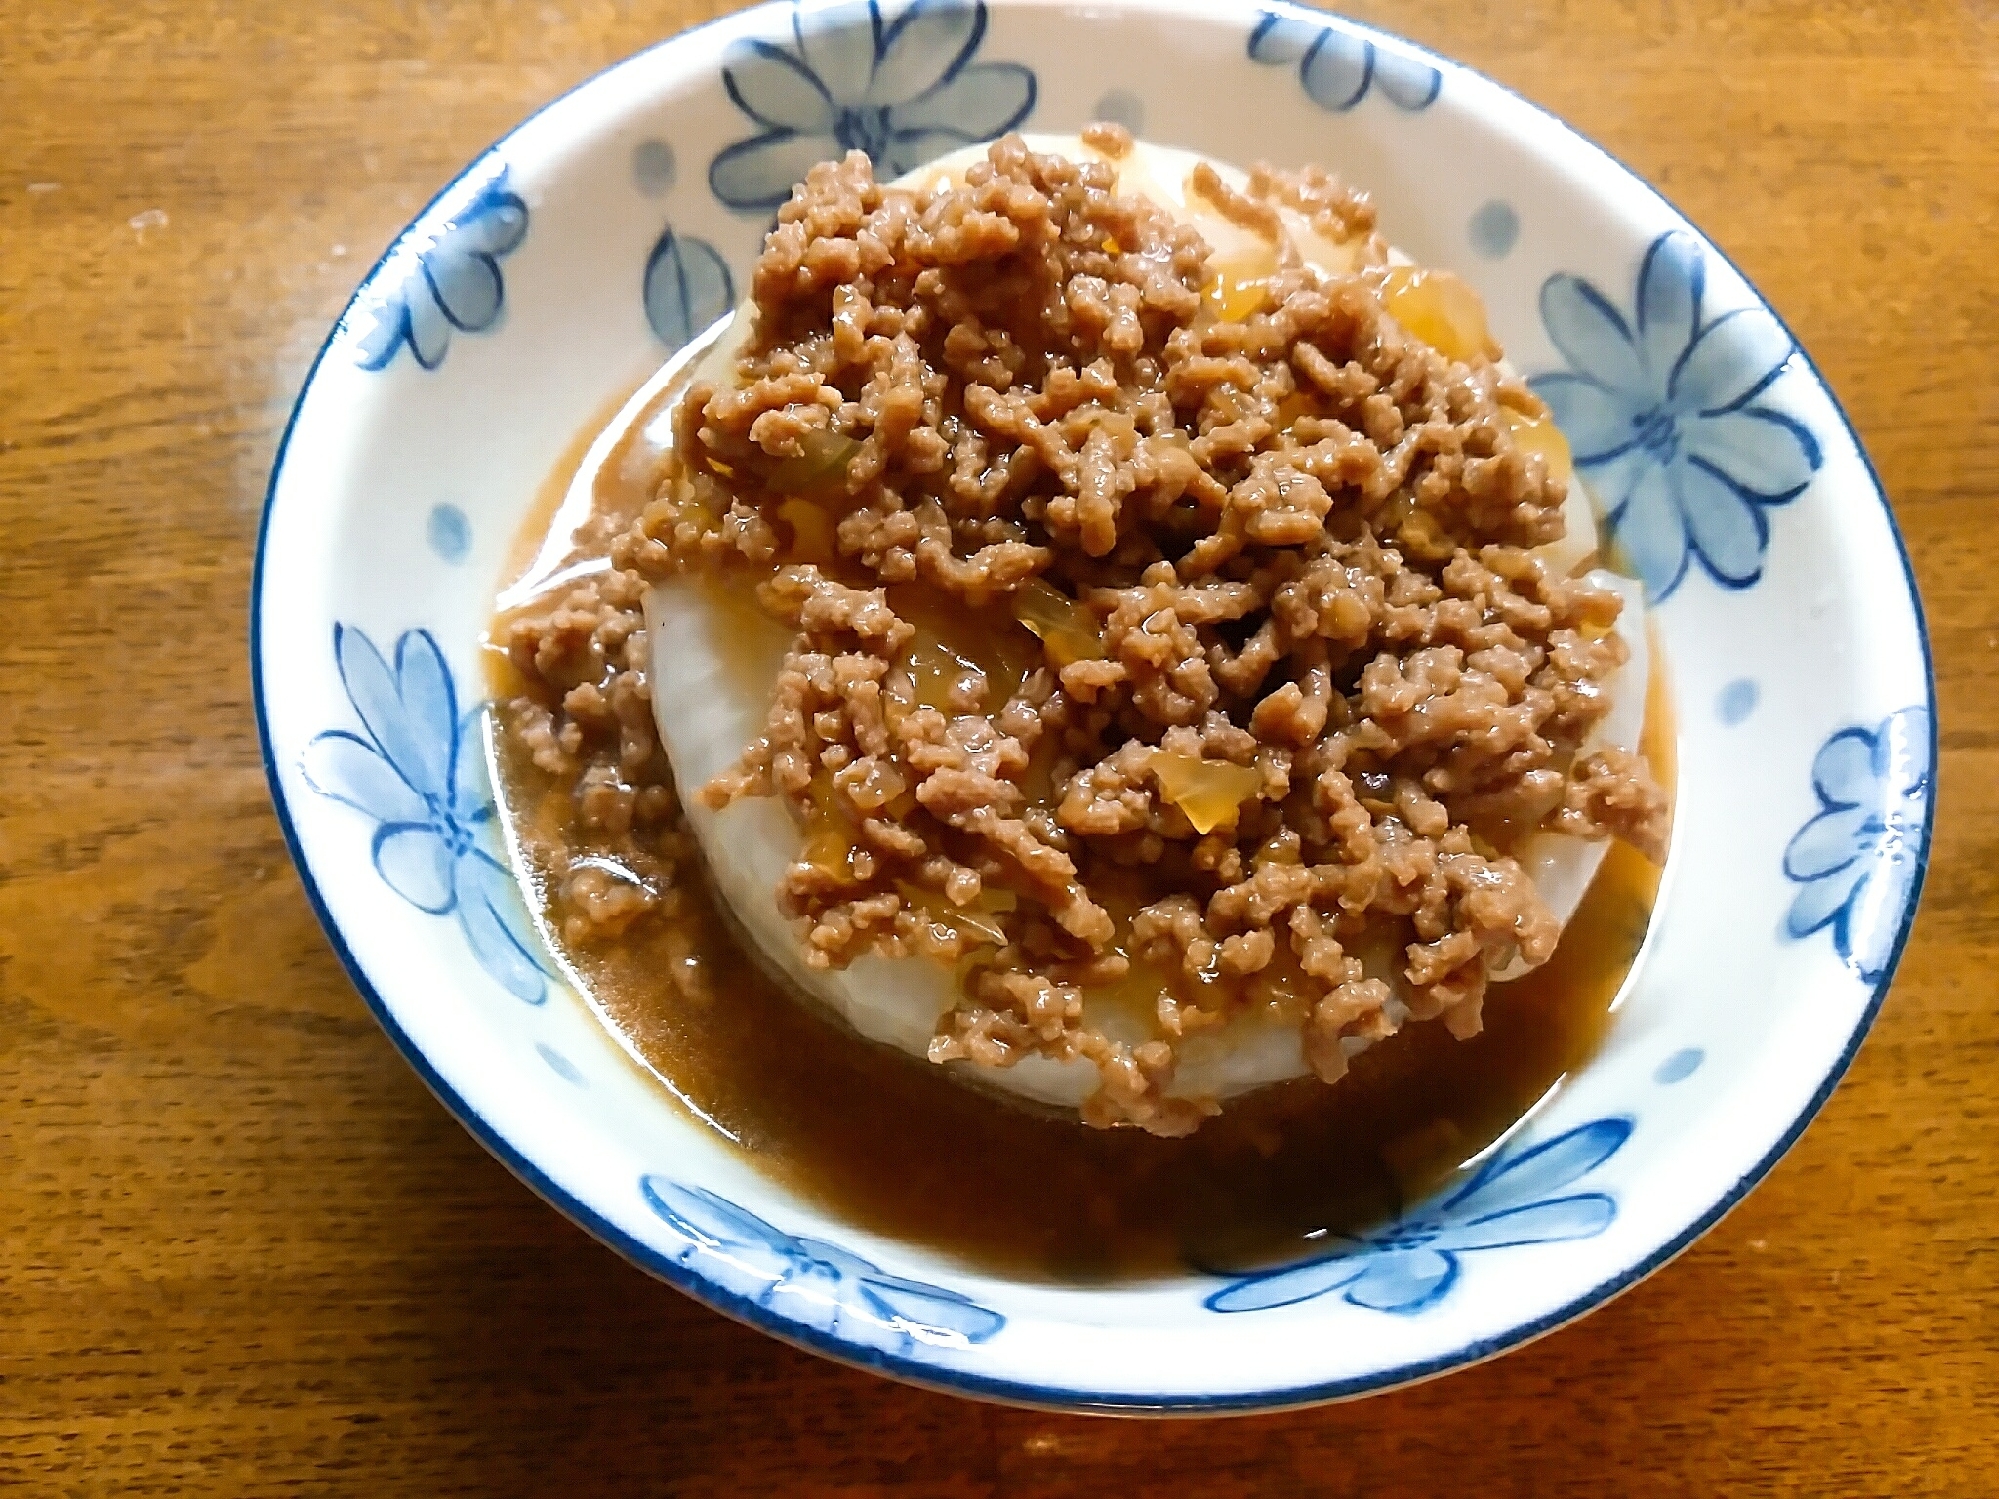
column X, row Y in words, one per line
column 1300, row 681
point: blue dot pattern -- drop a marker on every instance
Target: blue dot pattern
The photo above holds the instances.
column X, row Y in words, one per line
column 654, row 167
column 1121, row 107
column 1737, row 701
column 1494, row 229
column 559, row 1064
column 1681, row 1064
column 448, row 532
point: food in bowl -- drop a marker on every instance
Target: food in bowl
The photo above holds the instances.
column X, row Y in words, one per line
column 1120, row 632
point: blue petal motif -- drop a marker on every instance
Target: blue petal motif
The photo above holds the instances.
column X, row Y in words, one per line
column 1510, row 1181
column 1592, row 416
column 837, row 51
column 819, row 1285
column 1671, row 281
column 1856, row 860
column 1404, row 1280
column 1593, row 337
column 1580, row 1217
column 415, row 772
column 495, row 928
column 1411, row 1264
column 1407, row 81
column 345, row 767
column 760, row 172
column 1763, row 454
column 411, row 713
column 687, row 288
column 1659, row 409
column 904, row 91
column 1307, row 1281
column 928, row 1314
column 1339, row 67
column 924, row 48
column 415, row 862
column 1730, row 360
column 989, row 91
column 445, row 274
column 1277, row 40
column 777, row 90
column 1728, row 533
column 471, row 801
column 1649, row 524
column 1825, row 897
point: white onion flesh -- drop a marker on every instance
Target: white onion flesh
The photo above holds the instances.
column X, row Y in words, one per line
column 715, row 660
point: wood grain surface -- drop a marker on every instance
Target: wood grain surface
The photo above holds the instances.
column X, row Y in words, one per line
column 244, row 1252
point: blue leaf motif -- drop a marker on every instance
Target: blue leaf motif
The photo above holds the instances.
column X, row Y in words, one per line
column 687, row 288
column 1411, row 1264
column 444, row 274
column 1661, row 410
column 818, row 1285
column 904, row 91
column 1858, row 858
column 415, row 772
column 1339, row 67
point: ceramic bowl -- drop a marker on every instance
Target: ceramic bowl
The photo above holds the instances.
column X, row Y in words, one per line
column 574, row 255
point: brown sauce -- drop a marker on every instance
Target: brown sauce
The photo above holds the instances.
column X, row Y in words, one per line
column 902, row 1149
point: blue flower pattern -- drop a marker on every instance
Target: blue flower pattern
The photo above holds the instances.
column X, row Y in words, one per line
column 447, row 276
column 1857, row 860
column 904, row 91
column 1411, row 1264
column 1661, row 410
column 416, row 771
column 812, row 1283
column 1339, row 67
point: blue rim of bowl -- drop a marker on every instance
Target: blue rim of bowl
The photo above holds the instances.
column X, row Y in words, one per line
column 1011, row 1391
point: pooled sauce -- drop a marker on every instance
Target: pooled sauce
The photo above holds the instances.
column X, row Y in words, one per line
column 897, row 1146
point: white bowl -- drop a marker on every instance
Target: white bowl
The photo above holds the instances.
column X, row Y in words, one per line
column 572, row 256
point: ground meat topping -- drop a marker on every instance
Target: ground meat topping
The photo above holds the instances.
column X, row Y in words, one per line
column 1135, row 635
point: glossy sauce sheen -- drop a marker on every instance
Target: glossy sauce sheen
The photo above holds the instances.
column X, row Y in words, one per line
column 906, row 1151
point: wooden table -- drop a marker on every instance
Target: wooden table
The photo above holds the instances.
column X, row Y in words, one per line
column 245, row 1252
